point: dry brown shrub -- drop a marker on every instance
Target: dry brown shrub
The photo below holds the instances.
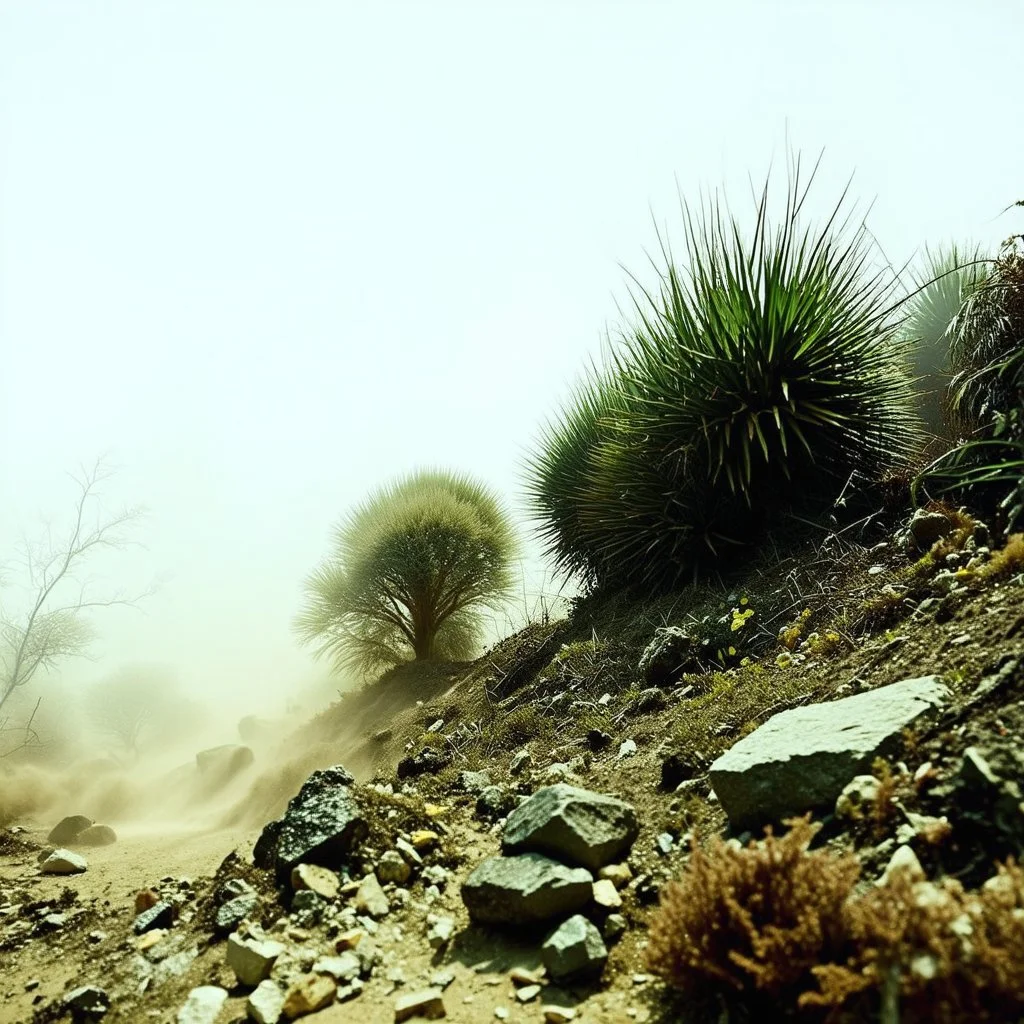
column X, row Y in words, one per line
column 947, row 955
column 754, row 919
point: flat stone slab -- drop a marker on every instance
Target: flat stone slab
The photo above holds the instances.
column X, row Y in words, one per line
column 575, row 825
column 801, row 759
column 524, row 890
column 64, row 862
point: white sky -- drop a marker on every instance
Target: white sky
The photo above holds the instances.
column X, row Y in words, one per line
column 266, row 255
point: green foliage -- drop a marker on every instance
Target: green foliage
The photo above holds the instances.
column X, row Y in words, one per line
column 986, row 396
column 759, row 376
column 411, row 570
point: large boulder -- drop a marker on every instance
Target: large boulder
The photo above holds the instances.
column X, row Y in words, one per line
column 322, row 825
column 575, row 825
column 525, row 890
column 218, row 764
column 67, row 829
column 801, row 759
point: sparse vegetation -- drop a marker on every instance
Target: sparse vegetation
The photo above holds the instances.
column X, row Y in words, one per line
column 411, row 570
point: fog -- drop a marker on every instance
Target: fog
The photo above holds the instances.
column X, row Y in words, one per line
column 263, row 256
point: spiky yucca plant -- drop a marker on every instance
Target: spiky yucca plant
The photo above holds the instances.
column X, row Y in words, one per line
column 760, row 375
column 411, row 570
column 949, row 276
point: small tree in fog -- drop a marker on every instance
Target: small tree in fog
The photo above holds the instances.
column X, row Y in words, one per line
column 50, row 622
column 411, row 571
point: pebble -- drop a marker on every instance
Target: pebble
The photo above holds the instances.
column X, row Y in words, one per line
column 619, row 875
column 315, row 878
column 558, row 1014
column 606, row 895
column 265, row 1003
column 627, row 748
column 439, row 931
column 424, row 839
column 370, row 898
column 393, row 867
column 203, row 1005
column 527, row 993
column 308, row 994
column 428, row 1003
column 251, row 959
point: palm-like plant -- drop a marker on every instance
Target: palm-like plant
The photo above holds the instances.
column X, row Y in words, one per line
column 760, row 375
column 412, row 568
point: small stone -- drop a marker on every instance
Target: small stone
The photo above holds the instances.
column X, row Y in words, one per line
column 64, row 862
column 160, row 915
column 619, row 875
column 342, row 968
column 525, row 889
column 424, row 839
column 252, row 959
column 521, row 761
column 232, row 889
column 606, row 895
column 265, row 1002
column 903, row 860
column 557, row 772
column 627, row 748
column 349, row 939
column 857, row 796
column 393, row 867
column 440, row 931
column 494, row 802
column 428, row 1003
column 323, row 881
column 308, row 994
column 528, row 993
column 574, row 949
column 150, row 939
column 664, row 843
column 231, row 914
column 409, row 853
column 976, row 772
column 614, row 927
column 350, row 990
column 203, row 1005
column 96, row 835
column 96, row 937
column 501, row 1012
column 31, row 985
column 370, row 898
column 474, row 782
column 441, row 979
column 146, row 898
column 521, row 976
column 89, row 1000
column 557, row 1014
column 604, row 700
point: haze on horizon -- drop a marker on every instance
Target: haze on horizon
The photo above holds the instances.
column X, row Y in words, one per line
column 265, row 256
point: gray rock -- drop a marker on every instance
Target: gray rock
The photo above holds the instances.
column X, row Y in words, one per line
column 664, row 843
column 203, row 1005
column 160, row 915
column 926, row 528
column 520, row 762
column 96, row 835
column 322, row 824
column 370, row 898
column 439, row 931
column 801, row 759
column 64, row 862
column 393, row 867
column 574, row 949
column 494, row 802
column 343, row 967
column 614, row 927
column 87, row 1001
column 265, row 1003
column 526, row 889
column 977, row 773
column 474, row 782
column 252, row 960
column 67, row 828
column 231, row 914
column 627, row 748
column 670, row 653
column 428, row 1004
column 572, row 824
column 231, row 889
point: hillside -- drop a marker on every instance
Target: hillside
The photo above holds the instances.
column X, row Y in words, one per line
column 632, row 699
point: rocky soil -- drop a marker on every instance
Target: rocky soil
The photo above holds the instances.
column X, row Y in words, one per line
column 500, row 850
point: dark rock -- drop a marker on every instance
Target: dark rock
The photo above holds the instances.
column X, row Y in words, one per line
column 218, row 764
column 597, row 740
column 231, row 914
column 670, row 653
column 575, row 825
column 322, row 825
column 801, row 759
column 96, row 835
column 160, row 915
column 525, row 890
column 495, row 802
column 926, row 528
column 86, row 1002
column 232, row 889
column 674, row 770
column 646, row 889
column 574, row 949
column 648, row 701
column 67, row 828
column 428, row 761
